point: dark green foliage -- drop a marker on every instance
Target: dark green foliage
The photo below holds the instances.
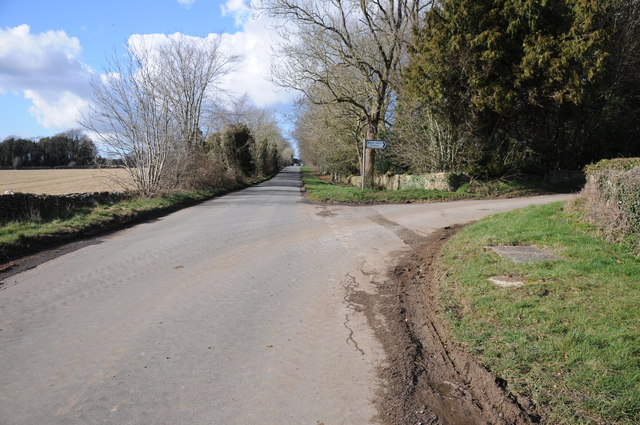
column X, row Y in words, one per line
column 262, row 157
column 274, row 160
column 64, row 149
column 266, row 158
column 530, row 84
column 15, row 152
column 235, row 144
column 67, row 148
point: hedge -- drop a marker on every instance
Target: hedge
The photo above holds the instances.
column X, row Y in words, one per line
column 612, row 196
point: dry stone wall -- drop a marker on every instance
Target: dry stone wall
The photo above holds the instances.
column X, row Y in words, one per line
column 440, row 181
column 448, row 181
column 15, row 206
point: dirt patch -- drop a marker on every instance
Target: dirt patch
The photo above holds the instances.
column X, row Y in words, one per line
column 428, row 379
column 323, row 211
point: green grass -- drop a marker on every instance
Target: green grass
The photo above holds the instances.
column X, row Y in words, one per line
column 30, row 234
column 570, row 338
column 516, row 188
column 321, row 191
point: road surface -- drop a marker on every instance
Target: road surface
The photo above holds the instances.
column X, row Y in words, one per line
column 234, row 311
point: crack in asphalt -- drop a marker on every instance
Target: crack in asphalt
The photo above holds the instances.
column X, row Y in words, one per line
column 349, row 283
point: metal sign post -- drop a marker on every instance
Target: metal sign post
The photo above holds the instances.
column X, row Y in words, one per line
column 369, row 144
column 364, row 162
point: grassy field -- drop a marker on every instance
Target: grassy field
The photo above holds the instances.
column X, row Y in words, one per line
column 56, row 182
column 570, row 338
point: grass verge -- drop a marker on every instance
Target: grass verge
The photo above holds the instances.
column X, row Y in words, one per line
column 27, row 236
column 570, row 338
column 319, row 190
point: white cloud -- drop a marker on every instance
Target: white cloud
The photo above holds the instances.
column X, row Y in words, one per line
column 186, row 3
column 57, row 110
column 253, row 43
column 240, row 10
column 47, row 70
column 109, row 76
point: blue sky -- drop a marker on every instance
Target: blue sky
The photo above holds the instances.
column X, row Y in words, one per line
column 49, row 50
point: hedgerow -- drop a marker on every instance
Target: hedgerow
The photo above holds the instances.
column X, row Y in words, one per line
column 611, row 198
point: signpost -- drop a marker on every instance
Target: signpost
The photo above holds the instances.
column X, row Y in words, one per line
column 370, row 144
column 375, row 144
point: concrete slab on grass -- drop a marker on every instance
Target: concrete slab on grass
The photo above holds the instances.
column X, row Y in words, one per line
column 506, row 281
column 523, row 254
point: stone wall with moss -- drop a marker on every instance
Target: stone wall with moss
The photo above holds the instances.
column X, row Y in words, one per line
column 440, row 181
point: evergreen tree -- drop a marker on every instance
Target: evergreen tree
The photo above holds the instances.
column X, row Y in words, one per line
column 236, row 144
column 517, row 77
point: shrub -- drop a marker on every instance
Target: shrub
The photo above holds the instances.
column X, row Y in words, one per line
column 611, row 197
column 608, row 165
column 199, row 170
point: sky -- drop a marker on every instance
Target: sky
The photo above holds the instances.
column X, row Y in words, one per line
column 50, row 51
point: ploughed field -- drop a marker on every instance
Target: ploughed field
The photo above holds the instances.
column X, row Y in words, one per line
column 55, row 182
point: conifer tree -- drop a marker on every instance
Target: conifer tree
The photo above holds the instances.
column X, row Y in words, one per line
column 511, row 72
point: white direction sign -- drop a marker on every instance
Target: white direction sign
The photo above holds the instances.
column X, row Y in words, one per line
column 376, row 144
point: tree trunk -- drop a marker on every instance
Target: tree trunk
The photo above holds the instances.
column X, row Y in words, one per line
column 370, row 154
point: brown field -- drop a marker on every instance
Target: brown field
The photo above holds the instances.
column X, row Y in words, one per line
column 55, row 182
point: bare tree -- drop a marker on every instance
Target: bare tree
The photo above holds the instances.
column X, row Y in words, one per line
column 345, row 51
column 425, row 141
column 234, row 110
column 190, row 72
column 131, row 116
column 147, row 107
column 328, row 137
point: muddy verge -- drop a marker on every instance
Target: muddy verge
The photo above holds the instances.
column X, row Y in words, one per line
column 428, row 379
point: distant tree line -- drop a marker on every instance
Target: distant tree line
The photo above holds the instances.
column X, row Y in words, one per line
column 487, row 87
column 71, row 148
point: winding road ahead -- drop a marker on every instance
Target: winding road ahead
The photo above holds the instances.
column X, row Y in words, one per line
column 234, row 311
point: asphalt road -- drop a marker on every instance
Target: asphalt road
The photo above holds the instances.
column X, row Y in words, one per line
column 234, row 311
